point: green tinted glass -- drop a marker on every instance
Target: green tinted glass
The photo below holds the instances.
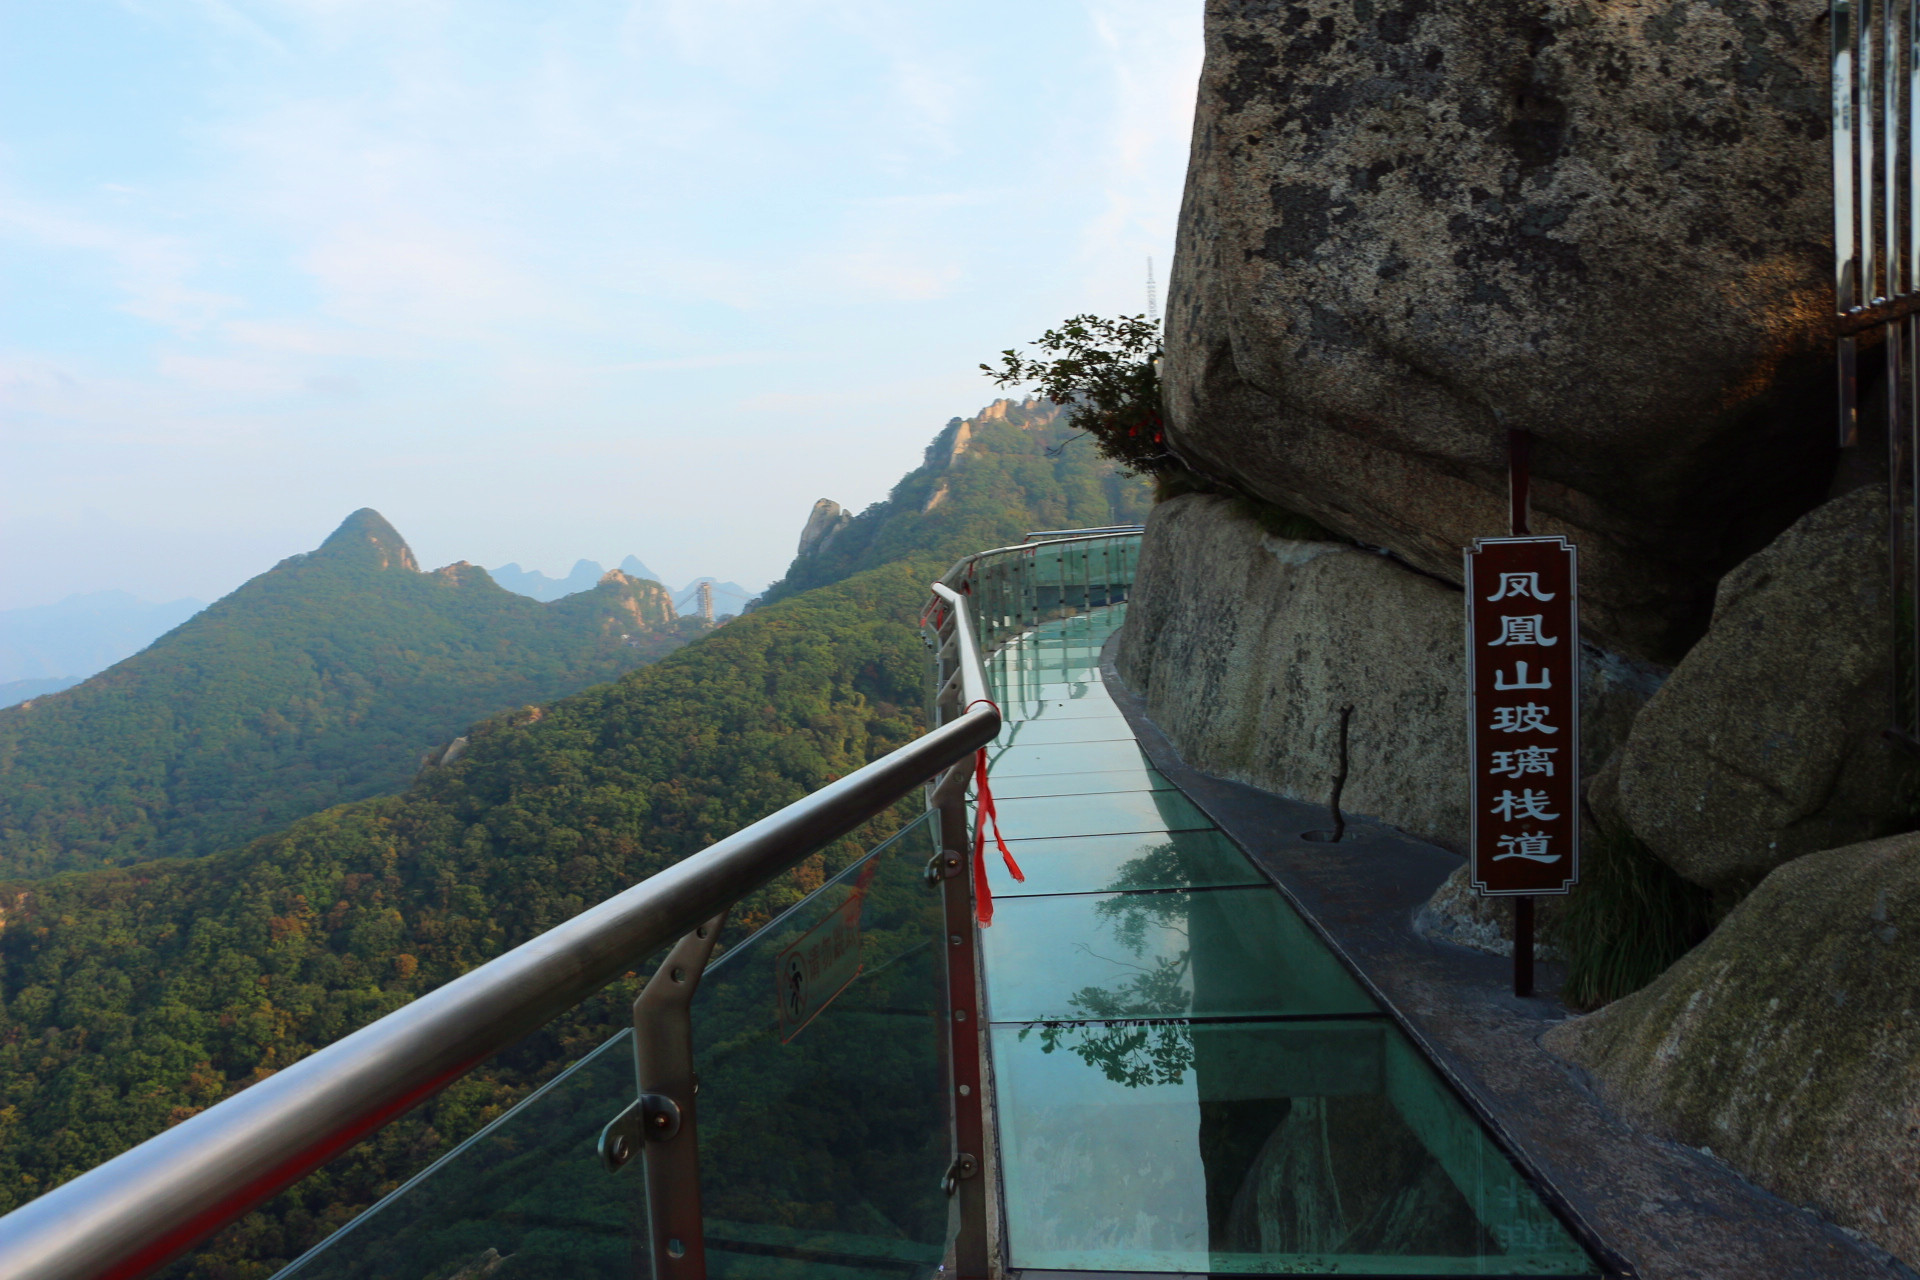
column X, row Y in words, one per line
column 529, row 1187
column 1269, row 1147
column 823, row 1120
column 1157, row 955
column 1149, row 860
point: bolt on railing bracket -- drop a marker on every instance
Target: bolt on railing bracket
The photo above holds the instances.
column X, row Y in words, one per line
column 621, row 1138
column 943, row 865
column 654, row 1118
column 965, row 1165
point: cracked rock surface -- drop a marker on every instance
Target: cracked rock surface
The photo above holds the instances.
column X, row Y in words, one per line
column 1412, row 224
column 1789, row 1042
column 1765, row 743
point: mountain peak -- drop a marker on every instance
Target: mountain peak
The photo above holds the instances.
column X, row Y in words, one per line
column 366, row 537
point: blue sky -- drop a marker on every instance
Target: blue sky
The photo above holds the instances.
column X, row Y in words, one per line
column 538, row 281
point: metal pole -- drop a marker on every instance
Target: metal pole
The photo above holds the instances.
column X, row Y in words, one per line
column 965, row 1176
column 1523, row 945
column 663, row 1070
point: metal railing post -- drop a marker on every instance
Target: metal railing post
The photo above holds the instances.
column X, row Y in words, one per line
column 661, row 1124
column 966, row 1181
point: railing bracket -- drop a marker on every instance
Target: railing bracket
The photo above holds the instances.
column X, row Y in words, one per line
column 965, row 1165
column 943, row 865
column 621, row 1138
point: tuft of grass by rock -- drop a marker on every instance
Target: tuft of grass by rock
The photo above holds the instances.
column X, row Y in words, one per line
column 1627, row 921
column 1283, row 523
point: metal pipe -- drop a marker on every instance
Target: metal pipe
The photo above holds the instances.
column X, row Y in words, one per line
column 1062, row 535
column 148, row 1205
column 973, row 691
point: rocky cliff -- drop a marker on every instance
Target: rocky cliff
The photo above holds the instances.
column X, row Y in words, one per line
column 1246, row 646
column 983, row 482
column 1412, row 224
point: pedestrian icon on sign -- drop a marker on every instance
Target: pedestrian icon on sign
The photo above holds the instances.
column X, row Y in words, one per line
column 795, row 991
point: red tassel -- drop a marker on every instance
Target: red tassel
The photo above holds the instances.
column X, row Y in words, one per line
column 985, row 813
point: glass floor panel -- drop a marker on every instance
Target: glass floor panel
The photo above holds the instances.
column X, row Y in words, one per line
column 1100, row 708
column 1089, row 729
column 1187, row 1079
column 1148, row 860
column 1016, row 691
column 1255, row 1147
column 1081, row 784
column 1094, row 757
column 1212, row 953
column 1047, row 670
column 1121, row 811
column 1053, row 650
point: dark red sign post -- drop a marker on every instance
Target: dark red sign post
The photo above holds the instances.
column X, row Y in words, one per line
column 1523, row 707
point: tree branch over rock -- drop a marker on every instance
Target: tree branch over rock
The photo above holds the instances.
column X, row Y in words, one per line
column 1107, row 372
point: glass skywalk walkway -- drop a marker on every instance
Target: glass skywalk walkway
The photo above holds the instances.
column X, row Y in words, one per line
column 1176, row 1075
column 1186, row 1080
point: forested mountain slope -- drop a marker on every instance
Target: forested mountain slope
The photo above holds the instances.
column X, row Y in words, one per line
column 131, row 997
column 322, row 680
column 987, row 481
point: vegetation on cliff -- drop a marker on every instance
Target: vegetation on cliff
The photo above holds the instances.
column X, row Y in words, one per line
column 1108, row 370
column 321, row 681
column 987, row 481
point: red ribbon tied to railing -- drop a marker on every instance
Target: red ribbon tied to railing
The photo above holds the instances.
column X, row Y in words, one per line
column 985, row 813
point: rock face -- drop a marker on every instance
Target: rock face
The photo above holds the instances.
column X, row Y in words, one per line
column 1458, row 915
column 1766, row 742
column 1412, row 224
column 825, row 521
column 1789, row 1041
column 1246, row 646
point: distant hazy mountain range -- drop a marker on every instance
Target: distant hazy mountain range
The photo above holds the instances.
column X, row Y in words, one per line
column 323, row 679
column 52, row 646
column 728, row 597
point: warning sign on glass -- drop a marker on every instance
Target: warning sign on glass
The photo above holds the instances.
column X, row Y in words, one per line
column 1523, row 704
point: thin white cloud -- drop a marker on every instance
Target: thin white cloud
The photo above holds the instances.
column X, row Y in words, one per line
column 450, row 259
column 152, row 273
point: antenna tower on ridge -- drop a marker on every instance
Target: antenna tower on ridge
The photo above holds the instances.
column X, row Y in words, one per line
column 1153, row 298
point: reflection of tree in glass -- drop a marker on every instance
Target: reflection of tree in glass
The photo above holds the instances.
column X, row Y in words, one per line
column 1135, row 1054
column 1162, row 866
column 1119, row 1038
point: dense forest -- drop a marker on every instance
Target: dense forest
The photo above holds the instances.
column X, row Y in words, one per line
column 321, row 681
column 132, row 997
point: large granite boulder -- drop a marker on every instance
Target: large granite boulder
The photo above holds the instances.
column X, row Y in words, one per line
column 1412, row 224
column 1789, row 1041
column 1245, row 646
column 1766, row 743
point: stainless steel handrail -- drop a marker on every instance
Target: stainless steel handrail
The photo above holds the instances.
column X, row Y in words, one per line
column 1093, row 535
column 148, row 1205
column 972, row 693
column 1052, row 535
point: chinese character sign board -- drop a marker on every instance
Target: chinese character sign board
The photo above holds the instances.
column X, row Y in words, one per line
column 1523, row 700
column 811, row 972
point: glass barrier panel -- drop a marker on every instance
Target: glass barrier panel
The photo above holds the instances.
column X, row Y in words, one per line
column 823, row 1124
column 823, row 1107
column 526, row 1198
